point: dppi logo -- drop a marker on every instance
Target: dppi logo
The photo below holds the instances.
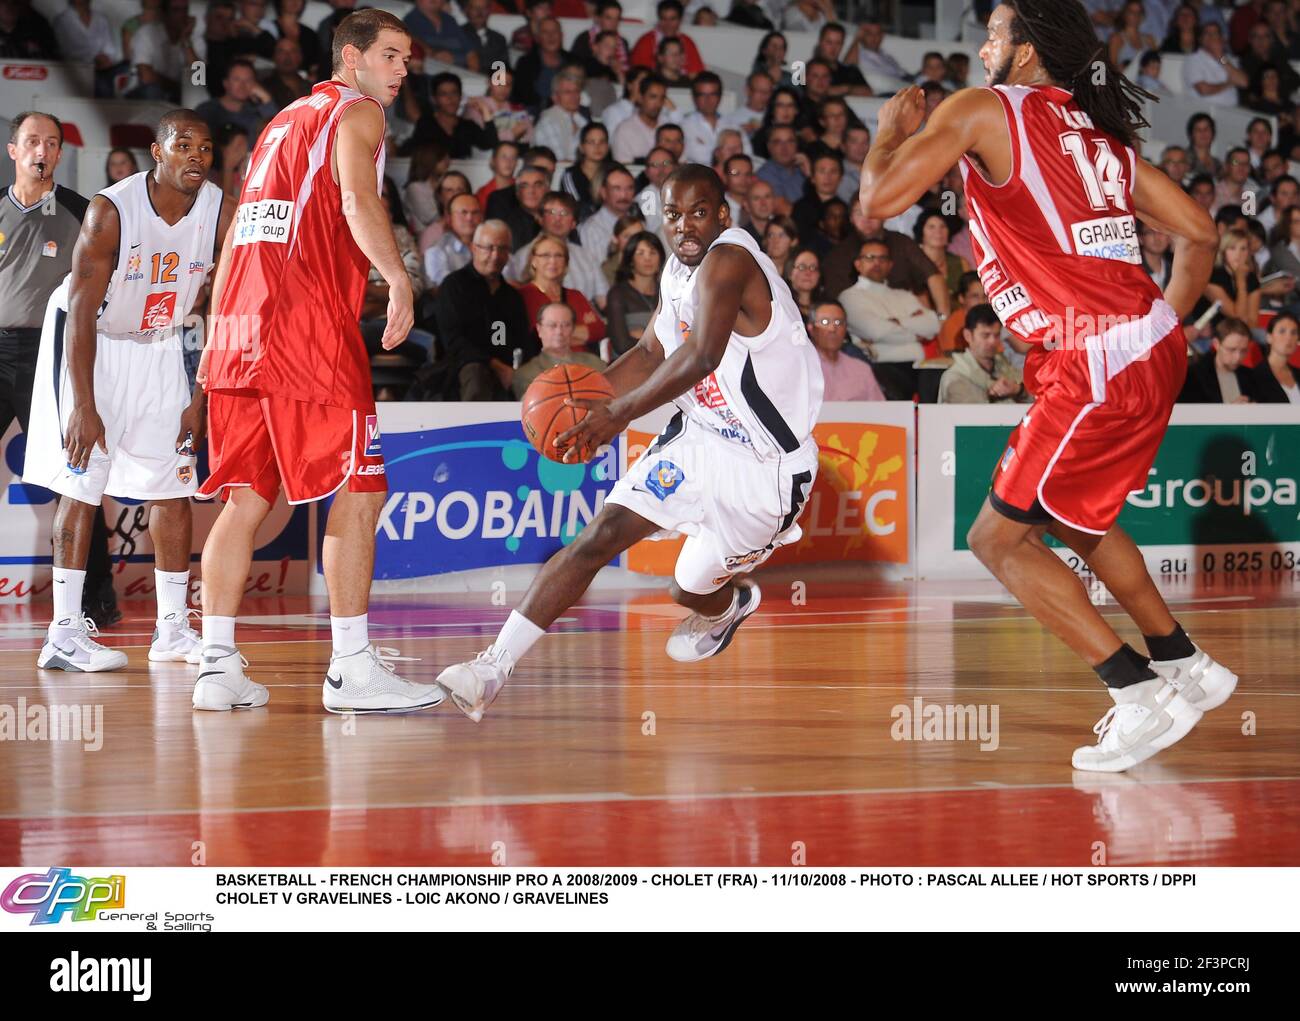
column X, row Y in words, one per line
column 47, row 898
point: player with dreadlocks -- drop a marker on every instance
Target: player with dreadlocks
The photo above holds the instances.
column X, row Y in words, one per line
column 1052, row 187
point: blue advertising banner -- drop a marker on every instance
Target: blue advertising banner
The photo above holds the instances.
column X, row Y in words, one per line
column 476, row 495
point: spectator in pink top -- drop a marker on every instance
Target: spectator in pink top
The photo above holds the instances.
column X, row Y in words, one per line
column 847, row 378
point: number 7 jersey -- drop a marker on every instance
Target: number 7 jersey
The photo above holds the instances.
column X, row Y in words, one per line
column 1056, row 246
column 287, row 323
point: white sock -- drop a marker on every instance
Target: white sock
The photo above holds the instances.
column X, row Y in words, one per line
column 517, row 636
column 350, row 634
column 67, row 601
column 172, row 589
column 218, row 631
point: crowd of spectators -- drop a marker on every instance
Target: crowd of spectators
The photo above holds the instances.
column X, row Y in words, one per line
column 561, row 248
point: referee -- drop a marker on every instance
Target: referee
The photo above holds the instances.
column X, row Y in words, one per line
column 39, row 224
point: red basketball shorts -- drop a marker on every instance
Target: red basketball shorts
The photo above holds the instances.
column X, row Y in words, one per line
column 1090, row 438
column 311, row 450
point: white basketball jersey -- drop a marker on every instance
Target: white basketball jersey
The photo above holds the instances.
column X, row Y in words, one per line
column 160, row 268
column 767, row 392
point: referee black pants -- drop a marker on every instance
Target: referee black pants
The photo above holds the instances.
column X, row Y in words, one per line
column 18, row 350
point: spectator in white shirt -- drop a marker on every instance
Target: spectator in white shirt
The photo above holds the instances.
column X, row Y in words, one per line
column 749, row 118
column 807, row 15
column 86, row 36
column 617, row 191
column 635, row 137
column 560, row 126
column 452, row 249
column 1211, row 73
column 890, row 324
column 616, row 113
column 866, row 50
column 701, row 126
column 161, row 51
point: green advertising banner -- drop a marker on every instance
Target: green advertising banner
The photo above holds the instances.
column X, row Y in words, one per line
column 1211, row 485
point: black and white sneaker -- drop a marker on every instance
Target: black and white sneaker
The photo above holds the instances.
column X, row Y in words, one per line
column 222, row 685
column 365, row 682
column 699, row 637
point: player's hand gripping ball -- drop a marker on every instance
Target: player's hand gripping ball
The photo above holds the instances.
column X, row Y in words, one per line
column 546, row 415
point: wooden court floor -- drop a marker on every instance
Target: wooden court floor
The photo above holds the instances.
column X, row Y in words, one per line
column 602, row 751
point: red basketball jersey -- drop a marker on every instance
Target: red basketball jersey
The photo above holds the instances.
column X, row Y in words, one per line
column 288, row 317
column 1056, row 246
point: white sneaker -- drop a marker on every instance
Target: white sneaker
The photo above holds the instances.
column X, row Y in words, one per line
column 365, row 682
column 699, row 637
column 1152, row 716
column 221, row 684
column 1203, row 682
column 177, row 643
column 475, row 684
column 79, row 652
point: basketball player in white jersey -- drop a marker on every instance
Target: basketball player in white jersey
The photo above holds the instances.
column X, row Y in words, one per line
column 112, row 411
column 732, row 470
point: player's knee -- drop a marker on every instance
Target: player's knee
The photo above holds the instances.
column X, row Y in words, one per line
column 601, row 541
column 983, row 540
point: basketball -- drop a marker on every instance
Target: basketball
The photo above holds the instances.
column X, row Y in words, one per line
column 545, row 415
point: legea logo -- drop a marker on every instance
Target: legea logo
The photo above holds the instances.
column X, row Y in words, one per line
column 47, row 898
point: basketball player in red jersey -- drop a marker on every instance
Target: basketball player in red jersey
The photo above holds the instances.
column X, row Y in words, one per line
column 290, row 402
column 1052, row 186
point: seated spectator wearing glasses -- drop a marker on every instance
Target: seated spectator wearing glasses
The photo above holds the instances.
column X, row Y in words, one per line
column 635, row 293
column 559, row 221
column 560, row 127
column 911, row 269
column 737, row 179
column 1274, row 379
column 443, row 126
column 483, row 327
column 982, row 374
column 891, row 324
column 452, row 250
column 548, row 262
column 846, row 377
column 1219, row 377
column 1236, row 182
column 555, row 327
column 521, row 206
column 805, row 281
column 658, row 165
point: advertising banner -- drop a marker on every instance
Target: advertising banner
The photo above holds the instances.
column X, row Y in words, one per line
column 1221, row 496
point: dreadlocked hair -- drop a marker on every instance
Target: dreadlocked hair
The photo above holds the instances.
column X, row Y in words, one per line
column 1067, row 47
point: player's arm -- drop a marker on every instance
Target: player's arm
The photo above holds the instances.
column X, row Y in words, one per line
column 632, row 368
column 902, row 165
column 724, row 275
column 226, row 230
column 1161, row 203
column 361, row 130
column 92, row 269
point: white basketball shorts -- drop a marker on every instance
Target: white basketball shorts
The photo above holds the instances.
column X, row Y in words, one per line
column 141, row 391
column 734, row 509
